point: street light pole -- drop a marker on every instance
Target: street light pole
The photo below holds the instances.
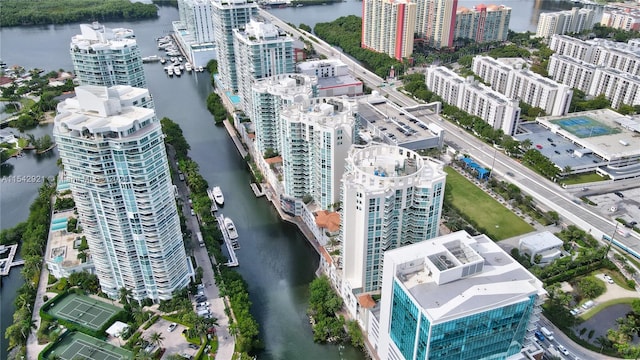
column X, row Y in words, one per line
column 495, row 152
column 611, row 240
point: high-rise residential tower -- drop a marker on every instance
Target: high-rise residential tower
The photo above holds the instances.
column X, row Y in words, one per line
column 436, row 22
column 107, row 57
column 316, row 137
column 115, row 162
column 388, row 26
column 227, row 16
column 197, row 16
column 455, row 297
column 391, row 197
column 261, row 50
column 272, row 94
column 483, row 23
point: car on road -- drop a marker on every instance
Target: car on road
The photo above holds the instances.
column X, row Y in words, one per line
column 619, row 194
column 563, row 350
column 539, row 335
column 172, row 327
column 509, row 173
column 193, row 213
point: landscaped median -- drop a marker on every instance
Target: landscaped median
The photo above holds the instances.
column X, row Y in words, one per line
column 481, row 210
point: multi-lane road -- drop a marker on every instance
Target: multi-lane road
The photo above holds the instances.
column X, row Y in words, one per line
column 545, row 192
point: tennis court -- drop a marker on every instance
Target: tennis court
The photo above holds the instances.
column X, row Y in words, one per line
column 585, row 127
column 83, row 310
column 81, row 346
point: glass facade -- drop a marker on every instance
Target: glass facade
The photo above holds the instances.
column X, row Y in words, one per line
column 494, row 334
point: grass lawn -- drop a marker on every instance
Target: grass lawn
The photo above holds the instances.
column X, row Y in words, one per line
column 582, row 178
column 498, row 221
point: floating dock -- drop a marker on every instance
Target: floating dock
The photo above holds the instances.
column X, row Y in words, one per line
column 233, row 261
column 256, row 190
column 7, row 263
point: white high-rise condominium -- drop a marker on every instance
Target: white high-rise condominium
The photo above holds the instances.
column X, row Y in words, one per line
column 197, row 15
column 227, row 16
column 316, row 137
column 107, row 57
column 436, row 22
column 261, row 50
column 391, row 197
column 115, row 161
column 270, row 95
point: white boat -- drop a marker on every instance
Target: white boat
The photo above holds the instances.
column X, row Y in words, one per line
column 177, row 71
column 180, row 58
column 181, row 67
column 187, row 66
column 231, row 228
column 200, row 69
column 163, row 61
column 217, row 195
column 149, row 59
column 170, row 71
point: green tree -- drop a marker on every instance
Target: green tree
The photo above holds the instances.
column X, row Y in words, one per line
column 156, row 339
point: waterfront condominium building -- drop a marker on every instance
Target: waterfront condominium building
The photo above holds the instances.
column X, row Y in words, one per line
column 565, row 22
column 520, row 83
column 436, row 22
column 106, row 57
column 388, row 27
column 229, row 15
column 261, row 50
column 197, row 17
column 115, row 162
column 455, row 297
column 270, row 95
column 391, row 197
column 477, row 99
column 483, row 23
column 194, row 31
column 316, row 137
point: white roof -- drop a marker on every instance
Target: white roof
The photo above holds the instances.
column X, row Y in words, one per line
column 117, row 328
column 541, row 241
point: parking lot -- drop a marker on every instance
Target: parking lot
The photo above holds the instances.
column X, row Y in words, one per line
column 174, row 342
column 613, row 206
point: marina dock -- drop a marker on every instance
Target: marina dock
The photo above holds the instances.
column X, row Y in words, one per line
column 256, row 190
column 7, row 263
column 233, row 261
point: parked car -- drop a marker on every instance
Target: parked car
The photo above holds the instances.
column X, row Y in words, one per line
column 194, row 346
column 539, row 335
column 563, row 350
column 172, row 327
column 205, row 303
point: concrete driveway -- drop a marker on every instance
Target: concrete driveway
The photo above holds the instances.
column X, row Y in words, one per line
column 174, row 342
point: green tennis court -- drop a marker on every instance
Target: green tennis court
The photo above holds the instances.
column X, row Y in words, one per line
column 83, row 310
column 81, row 346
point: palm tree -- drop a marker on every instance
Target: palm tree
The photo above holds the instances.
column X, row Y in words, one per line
column 156, row 339
column 139, row 315
column 125, row 294
column 26, row 326
column 526, row 144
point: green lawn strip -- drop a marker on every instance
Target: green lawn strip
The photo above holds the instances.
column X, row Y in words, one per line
column 582, row 178
column 493, row 218
column 599, row 307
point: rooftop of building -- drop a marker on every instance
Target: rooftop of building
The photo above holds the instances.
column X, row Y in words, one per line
column 458, row 274
column 287, row 84
column 338, row 81
column 541, row 240
column 374, row 163
column 605, row 132
column 328, row 111
column 315, row 64
column 329, row 220
column 482, row 7
column 97, row 109
column 258, row 31
column 96, row 33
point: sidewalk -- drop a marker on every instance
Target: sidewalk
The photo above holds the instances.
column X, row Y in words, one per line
column 33, row 348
